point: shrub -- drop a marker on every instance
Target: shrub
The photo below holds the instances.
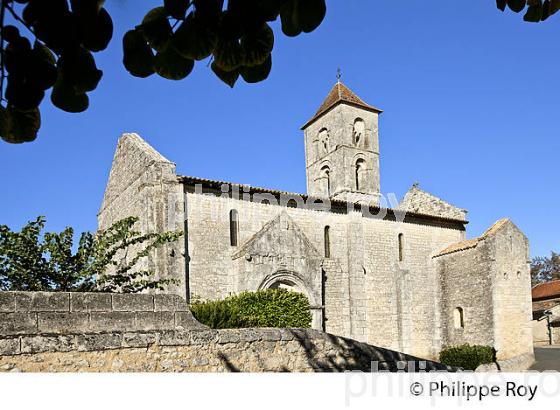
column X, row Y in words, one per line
column 466, row 356
column 264, row 308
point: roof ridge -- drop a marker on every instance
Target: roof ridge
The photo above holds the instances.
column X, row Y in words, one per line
column 340, row 93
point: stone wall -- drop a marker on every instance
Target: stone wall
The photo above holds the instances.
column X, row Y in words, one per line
column 417, row 200
column 370, row 295
column 143, row 184
column 247, row 350
column 489, row 279
column 34, row 313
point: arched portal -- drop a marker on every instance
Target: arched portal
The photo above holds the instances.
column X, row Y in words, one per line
column 293, row 282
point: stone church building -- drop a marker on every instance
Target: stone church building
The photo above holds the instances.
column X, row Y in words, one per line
column 404, row 278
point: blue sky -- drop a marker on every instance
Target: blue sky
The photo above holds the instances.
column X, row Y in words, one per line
column 469, row 93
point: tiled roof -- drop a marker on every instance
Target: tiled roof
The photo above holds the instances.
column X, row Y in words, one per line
column 546, row 290
column 542, row 305
column 190, row 180
column 340, row 93
column 472, row 243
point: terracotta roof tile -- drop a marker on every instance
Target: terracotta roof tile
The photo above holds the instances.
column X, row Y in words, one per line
column 340, row 93
column 472, row 243
column 546, row 290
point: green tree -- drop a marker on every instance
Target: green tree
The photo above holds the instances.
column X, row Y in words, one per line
column 545, row 269
column 56, row 51
column 105, row 262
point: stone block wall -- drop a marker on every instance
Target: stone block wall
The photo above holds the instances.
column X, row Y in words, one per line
column 246, row 350
column 143, row 184
column 489, row 278
column 33, row 313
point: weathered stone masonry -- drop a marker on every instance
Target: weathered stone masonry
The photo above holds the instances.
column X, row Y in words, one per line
column 387, row 281
column 96, row 332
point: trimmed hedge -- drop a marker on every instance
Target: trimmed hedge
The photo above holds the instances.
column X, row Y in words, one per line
column 466, row 356
column 264, row 308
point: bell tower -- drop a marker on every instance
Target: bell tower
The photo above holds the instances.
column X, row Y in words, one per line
column 342, row 148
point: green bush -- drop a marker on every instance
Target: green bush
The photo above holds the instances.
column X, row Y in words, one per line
column 466, row 356
column 265, row 308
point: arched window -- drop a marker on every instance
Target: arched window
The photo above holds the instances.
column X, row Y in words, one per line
column 458, row 318
column 292, row 203
column 326, row 175
column 327, row 240
column 359, row 169
column 401, row 247
column 233, row 227
column 324, row 146
column 358, row 131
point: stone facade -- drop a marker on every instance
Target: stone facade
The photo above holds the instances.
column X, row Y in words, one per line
column 373, row 274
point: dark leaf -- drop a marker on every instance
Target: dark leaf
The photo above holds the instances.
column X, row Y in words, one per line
column 228, row 77
column 193, row 39
column 176, row 8
column 65, row 97
column 138, row 57
column 289, row 19
column 228, row 53
column 534, row 14
column 257, row 73
column 79, row 69
column 17, row 57
column 24, row 124
column 97, row 34
column 5, row 125
column 545, row 10
column 156, row 28
column 43, row 70
column 208, row 11
column 171, row 65
column 269, row 10
column 516, row 5
column 310, row 14
column 87, row 7
column 23, row 95
column 10, row 33
column 54, row 24
column 257, row 45
column 501, row 4
column 554, row 6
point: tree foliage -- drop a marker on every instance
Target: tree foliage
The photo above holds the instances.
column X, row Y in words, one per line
column 105, row 262
column 545, row 269
column 535, row 10
column 57, row 51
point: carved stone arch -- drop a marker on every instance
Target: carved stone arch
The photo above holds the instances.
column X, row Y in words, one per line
column 288, row 280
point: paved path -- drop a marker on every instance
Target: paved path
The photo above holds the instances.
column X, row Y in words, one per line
column 547, row 358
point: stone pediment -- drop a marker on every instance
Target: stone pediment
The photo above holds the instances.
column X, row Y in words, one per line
column 279, row 238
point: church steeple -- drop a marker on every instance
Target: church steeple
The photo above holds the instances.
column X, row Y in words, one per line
column 342, row 147
column 340, row 94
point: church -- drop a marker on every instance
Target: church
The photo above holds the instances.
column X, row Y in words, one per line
column 404, row 277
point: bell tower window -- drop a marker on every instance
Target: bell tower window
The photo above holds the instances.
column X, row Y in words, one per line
column 358, row 171
column 358, row 133
column 326, row 176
